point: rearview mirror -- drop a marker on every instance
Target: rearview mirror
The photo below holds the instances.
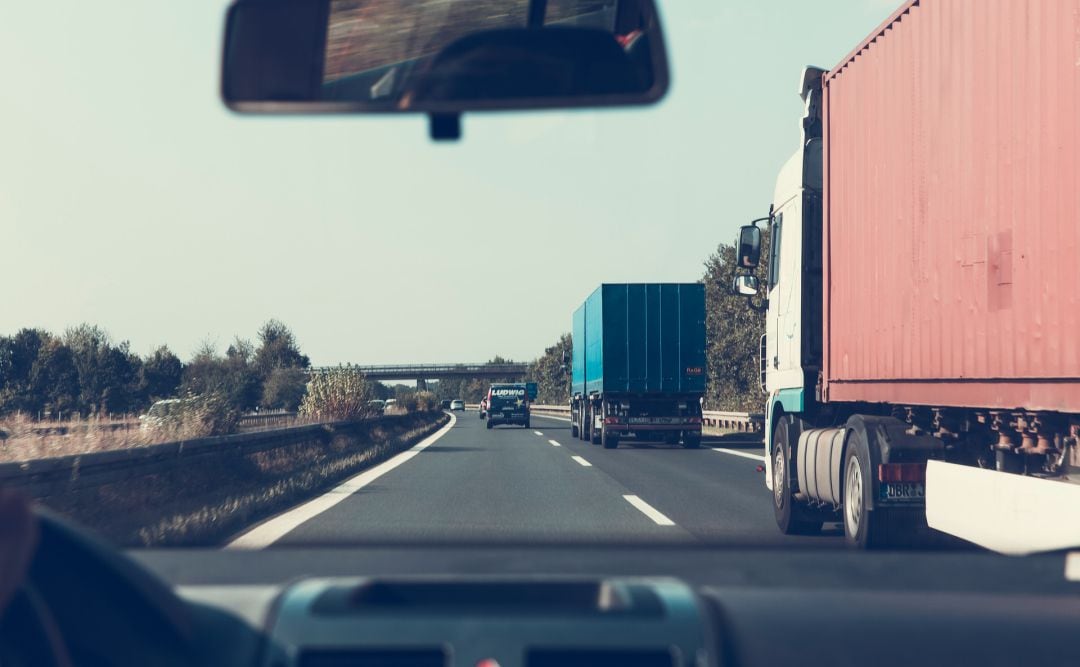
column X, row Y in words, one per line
column 745, row 285
column 749, row 247
column 442, row 57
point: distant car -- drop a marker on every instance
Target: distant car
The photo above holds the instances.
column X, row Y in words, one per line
column 161, row 413
column 377, row 405
column 390, row 405
column 457, row 404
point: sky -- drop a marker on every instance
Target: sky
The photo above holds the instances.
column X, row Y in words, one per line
column 132, row 199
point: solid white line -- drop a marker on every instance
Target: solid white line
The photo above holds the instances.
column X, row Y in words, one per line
column 554, row 444
column 539, row 433
column 582, row 461
column 735, row 452
column 271, row 531
column 649, row 511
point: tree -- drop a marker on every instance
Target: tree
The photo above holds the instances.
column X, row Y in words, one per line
column 278, row 349
column 54, row 379
column 733, row 334
column 551, row 374
column 160, row 375
column 108, row 374
column 234, row 375
column 284, row 389
column 17, row 356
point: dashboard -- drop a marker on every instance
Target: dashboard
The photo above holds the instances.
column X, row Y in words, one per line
column 542, row 605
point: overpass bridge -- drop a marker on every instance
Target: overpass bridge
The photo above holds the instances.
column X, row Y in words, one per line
column 424, row 372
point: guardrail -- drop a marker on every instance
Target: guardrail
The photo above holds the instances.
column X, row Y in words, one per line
column 743, row 422
column 267, row 420
column 42, row 478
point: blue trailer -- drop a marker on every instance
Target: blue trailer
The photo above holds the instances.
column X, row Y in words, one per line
column 638, row 363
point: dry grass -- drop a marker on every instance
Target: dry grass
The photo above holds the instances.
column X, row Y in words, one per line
column 20, row 439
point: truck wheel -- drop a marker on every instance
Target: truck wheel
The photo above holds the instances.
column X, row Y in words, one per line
column 608, row 440
column 691, row 441
column 489, row 424
column 574, row 431
column 791, row 517
column 863, row 529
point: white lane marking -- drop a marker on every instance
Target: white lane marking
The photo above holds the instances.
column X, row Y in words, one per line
column 735, row 452
column 539, row 433
column 649, row 511
column 554, row 444
column 274, row 529
column 582, row 461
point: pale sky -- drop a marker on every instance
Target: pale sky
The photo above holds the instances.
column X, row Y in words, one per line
column 132, row 199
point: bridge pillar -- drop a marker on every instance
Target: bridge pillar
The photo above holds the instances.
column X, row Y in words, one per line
column 421, row 385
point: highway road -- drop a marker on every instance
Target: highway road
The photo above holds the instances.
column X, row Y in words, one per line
column 515, row 485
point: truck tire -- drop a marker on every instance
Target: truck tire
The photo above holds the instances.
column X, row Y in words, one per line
column 691, row 441
column 575, row 432
column 791, row 516
column 489, row 424
column 863, row 529
column 608, row 440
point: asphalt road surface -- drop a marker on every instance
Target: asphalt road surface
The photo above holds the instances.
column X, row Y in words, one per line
column 540, row 484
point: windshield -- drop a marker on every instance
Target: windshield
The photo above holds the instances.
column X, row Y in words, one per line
column 277, row 287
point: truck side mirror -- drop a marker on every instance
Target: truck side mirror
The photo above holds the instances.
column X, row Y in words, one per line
column 749, row 247
column 745, row 285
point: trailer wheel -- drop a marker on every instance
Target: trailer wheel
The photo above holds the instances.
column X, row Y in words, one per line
column 791, row 517
column 575, row 432
column 863, row 529
column 608, row 440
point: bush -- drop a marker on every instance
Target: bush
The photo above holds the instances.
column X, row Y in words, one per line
column 337, row 394
column 196, row 416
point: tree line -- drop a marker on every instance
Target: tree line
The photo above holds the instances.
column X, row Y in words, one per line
column 84, row 372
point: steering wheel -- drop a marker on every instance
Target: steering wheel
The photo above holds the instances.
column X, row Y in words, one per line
column 30, row 632
column 83, row 598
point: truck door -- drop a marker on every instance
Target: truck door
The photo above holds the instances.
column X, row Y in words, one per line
column 783, row 338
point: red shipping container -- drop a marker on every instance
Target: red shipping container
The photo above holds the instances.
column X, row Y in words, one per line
column 952, row 208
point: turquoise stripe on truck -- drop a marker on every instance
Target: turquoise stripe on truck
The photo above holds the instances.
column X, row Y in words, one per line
column 791, row 400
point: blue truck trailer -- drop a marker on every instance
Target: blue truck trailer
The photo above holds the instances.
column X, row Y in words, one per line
column 638, row 364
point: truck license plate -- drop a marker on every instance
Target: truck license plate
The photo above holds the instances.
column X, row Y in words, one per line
column 902, row 492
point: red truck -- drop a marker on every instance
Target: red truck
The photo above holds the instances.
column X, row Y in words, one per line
column 922, row 347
